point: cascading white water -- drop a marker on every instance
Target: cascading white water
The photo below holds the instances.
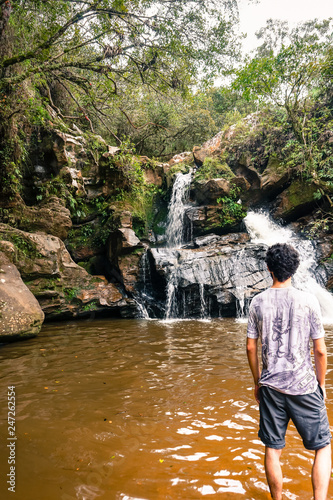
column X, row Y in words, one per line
column 177, row 206
column 171, row 302
column 262, row 229
column 174, row 234
column 202, row 301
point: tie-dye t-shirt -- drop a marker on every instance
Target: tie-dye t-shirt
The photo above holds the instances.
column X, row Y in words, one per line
column 285, row 319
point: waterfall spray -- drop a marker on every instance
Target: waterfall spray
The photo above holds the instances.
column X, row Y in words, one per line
column 263, row 229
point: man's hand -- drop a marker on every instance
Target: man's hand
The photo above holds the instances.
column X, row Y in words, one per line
column 252, row 356
column 323, row 388
column 256, row 393
column 320, row 358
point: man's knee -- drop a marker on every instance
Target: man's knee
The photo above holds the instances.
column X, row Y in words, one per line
column 272, row 454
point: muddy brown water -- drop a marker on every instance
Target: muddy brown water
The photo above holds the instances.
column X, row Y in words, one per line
column 136, row 409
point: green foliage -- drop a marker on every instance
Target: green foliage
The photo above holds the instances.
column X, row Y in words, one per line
column 167, row 124
column 71, row 293
column 290, row 70
column 12, row 155
column 213, row 168
column 93, row 54
column 232, row 212
column 25, row 247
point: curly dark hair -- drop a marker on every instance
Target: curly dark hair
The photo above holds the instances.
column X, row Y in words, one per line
column 282, row 260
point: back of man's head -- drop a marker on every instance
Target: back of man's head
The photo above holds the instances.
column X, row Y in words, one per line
column 282, row 260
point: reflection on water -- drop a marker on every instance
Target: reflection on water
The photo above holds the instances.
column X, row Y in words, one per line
column 136, row 409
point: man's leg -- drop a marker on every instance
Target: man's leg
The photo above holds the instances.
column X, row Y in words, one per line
column 321, row 473
column 274, row 472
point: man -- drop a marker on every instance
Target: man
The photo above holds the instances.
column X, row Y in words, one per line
column 285, row 319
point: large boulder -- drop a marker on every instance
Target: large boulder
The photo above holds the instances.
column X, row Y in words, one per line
column 244, row 168
column 187, row 157
column 56, row 281
column 205, row 219
column 295, row 201
column 206, row 192
column 217, row 277
column 51, row 217
column 21, row 316
column 129, row 266
column 274, row 178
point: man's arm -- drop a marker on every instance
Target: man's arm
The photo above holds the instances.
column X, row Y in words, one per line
column 252, row 356
column 320, row 357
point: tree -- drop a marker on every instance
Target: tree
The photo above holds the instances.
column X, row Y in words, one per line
column 79, row 59
column 287, row 70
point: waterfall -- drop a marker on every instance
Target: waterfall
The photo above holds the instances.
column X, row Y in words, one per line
column 177, row 206
column 142, row 309
column 202, row 301
column 171, row 301
column 239, row 289
column 262, row 229
column 174, row 234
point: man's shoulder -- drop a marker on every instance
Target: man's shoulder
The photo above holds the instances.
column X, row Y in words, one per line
column 260, row 296
column 302, row 295
column 305, row 296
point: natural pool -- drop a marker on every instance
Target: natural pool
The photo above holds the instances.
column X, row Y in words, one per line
column 140, row 409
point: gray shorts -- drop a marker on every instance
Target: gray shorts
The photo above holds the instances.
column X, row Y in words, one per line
column 308, row 413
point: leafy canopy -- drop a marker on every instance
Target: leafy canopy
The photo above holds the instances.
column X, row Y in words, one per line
column 147, row 41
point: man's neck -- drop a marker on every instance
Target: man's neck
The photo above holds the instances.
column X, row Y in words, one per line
column 281, row 284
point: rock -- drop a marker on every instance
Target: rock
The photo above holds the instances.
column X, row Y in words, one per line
column 112, row 150
column 129, row 238
column 295, row 201
column 56, row 281
column 154, row 175
column 108, row 296
column 222, row 275
column 129, row 266
column 242, row 188
column 209, row 148
column 120, row 242
column 207, row 192
column 68, row 148
column 207, row 219
column 187, row 156
column 51, row 217
column 244, row 169
column 73, row 178
column 217, row 145
column 228, row 239
column 274, row 178
column 84, row 252
column 125, row 219
column 21, row 316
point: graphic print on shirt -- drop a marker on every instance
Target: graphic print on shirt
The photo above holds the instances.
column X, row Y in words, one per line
column 286, row 320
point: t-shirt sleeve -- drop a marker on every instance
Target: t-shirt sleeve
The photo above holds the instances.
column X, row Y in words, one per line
column 252, row 326
column 316, row 323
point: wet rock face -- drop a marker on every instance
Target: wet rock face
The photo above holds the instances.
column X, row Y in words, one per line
column 20, row 313
column 212, row 279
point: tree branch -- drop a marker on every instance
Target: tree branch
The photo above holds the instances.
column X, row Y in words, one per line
column 48, row 43
column 142, row 126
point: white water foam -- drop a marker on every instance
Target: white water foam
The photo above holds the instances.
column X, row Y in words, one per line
column 262, row 229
